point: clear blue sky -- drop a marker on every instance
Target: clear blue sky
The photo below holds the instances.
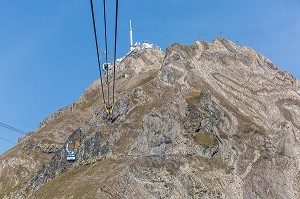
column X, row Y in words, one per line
column 47, row 52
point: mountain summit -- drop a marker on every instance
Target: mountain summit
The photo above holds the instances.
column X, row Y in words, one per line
column 209, row 120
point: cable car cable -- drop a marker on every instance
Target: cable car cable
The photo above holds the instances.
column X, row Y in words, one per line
column 106, row 50
column 12, row 128
column 97, row 49
column 8, row 140
column 115, row 48
column 108, row 106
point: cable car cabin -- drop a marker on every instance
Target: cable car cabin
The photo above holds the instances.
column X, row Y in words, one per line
column 107, row 66
column 71, row 155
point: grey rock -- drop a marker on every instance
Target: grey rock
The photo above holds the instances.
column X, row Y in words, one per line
column 205, row 96
column 167, row 75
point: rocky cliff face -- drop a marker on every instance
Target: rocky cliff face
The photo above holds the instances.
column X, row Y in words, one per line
column 210, row 120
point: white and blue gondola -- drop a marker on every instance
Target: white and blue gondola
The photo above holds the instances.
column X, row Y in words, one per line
column 71, row 155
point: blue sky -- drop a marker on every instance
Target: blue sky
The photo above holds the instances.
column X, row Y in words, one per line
column 47, row 52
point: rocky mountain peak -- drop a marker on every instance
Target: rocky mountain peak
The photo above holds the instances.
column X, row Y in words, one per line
column 208, row 120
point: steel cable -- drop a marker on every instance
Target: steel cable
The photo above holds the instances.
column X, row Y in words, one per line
column 97, row 49
column 115, row 48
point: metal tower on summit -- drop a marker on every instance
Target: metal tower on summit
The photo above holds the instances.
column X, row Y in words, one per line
column 134, row 47
column 131, row 40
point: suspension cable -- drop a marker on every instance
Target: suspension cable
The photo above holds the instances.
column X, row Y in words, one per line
column 108, row 105
column 106, row 51
column 7, row 140
column 12, row 128
column 97, row 49
column 115, row 48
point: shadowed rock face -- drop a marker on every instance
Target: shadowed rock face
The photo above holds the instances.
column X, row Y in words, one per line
column 210, row 120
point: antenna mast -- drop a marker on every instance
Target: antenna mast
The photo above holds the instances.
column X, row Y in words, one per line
column 131, row 40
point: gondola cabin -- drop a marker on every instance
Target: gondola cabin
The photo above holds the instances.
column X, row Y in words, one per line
column 71, row 155
column 107, row 66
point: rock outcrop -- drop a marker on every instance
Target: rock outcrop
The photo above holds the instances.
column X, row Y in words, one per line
column 209, row 120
